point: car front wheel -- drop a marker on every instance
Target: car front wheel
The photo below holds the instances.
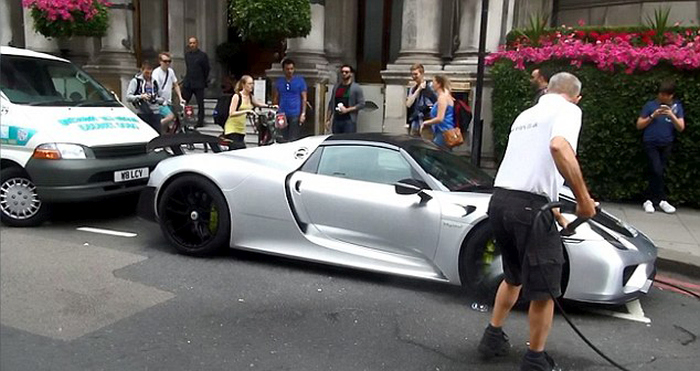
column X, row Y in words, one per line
column 194, row 216
column 20, row 205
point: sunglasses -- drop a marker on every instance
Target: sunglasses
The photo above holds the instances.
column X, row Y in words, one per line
column 166, row 60
column 345, row 71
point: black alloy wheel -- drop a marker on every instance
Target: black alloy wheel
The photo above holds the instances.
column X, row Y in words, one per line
column 481, row 268
column 194, row 216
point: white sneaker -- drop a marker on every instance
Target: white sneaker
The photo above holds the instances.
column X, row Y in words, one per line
column 649, row 206
column 666, row 207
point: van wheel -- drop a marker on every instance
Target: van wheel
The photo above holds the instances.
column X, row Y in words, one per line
column 20, row 205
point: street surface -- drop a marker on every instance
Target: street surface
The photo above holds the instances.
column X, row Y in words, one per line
column 80, row 300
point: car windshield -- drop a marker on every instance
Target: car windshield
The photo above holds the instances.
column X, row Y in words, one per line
column 46, row 82
column 456, row 173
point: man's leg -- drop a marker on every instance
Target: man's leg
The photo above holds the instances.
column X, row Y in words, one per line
column 540, row 316
column 294, row 128
column 199, row 94
column 506, row 297
column 656, row 173
column 664, row 155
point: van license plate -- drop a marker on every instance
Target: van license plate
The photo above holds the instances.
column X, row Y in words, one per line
column 131, row 174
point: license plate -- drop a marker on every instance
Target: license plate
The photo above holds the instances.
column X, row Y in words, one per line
column 131, row 174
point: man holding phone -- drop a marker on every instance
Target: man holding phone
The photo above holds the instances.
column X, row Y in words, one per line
column 660, row 119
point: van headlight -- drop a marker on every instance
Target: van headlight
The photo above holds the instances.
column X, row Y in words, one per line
column 57, row 151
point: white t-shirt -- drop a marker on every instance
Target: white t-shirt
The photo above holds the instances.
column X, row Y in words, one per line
column 528, row 164
column 166, row 87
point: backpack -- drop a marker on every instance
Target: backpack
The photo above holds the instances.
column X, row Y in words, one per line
column 223, row 108
column 463, row 115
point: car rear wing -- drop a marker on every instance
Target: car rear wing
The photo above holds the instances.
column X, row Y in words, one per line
column 177, row 141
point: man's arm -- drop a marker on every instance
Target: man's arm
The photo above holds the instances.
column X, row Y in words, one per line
column 206, row 68
column 568, row 166
column 302, row 116
column 359, row 99
column 412, row 97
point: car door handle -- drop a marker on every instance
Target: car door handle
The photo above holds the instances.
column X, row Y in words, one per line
column 297, row 185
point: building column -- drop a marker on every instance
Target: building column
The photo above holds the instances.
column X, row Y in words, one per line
column 6, row 33
column 36, row 41
column 341, row 33
column 114, row 65
column 420, row 43
column 177, row 38
column 462, row 69
column 309, row 56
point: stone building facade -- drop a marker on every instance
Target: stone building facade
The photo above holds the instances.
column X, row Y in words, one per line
column 382, row 38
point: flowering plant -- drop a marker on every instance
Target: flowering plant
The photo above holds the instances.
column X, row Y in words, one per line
column 630, row 51
column 67, row 18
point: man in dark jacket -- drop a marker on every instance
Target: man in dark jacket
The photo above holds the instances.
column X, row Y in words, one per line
column 195, row 81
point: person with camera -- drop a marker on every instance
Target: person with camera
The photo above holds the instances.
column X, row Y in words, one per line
column 420, row 100
column 660, row 119
column 144, row 95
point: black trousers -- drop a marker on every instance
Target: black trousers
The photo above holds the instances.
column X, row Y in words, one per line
column 658, row 155
column 199, row 95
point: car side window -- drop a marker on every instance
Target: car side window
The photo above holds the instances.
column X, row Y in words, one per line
column 367, row 163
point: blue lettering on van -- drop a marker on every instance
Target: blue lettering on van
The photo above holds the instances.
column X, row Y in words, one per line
column 89, row 123
column 17, row 136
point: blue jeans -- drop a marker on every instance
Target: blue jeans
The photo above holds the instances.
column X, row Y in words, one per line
column 658, row 155
column 344, row 126
column 293, row 129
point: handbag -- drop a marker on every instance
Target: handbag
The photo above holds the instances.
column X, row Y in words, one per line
column 453, row 137
column 281, row 120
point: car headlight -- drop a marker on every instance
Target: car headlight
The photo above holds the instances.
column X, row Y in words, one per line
column 57, row 151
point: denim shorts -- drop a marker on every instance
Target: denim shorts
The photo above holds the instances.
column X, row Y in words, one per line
column 531, row 248
column 165, row 111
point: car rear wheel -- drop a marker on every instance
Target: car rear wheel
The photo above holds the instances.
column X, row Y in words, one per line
column 20, row 205
column 194, row 216
column 481, row 268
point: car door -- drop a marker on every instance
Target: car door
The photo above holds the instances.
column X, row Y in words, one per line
column 350, row 196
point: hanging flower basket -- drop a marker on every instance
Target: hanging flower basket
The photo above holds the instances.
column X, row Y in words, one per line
column 67, row 18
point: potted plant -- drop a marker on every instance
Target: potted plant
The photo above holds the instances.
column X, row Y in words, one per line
column 68, row 18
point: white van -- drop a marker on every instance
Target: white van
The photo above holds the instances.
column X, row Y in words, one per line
column 63, row 138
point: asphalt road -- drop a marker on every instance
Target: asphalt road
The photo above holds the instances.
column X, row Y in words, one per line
column 78, row 300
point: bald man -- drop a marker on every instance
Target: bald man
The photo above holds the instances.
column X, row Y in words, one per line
column 195, row 81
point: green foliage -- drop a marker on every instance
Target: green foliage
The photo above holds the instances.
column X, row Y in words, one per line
column 270, row 20
column 610, row 146
column 95, row 27
column 537, row 26
column 659, row 23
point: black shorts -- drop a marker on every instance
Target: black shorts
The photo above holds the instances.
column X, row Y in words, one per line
column 532, row 252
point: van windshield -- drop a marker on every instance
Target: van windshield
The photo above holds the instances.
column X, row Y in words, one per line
column 46, row 82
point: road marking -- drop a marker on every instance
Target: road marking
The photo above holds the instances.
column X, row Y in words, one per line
column 634, row 312
column 107, row 231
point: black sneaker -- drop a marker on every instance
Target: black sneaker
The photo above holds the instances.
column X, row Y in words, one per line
column 541, row 363
column 493, row 343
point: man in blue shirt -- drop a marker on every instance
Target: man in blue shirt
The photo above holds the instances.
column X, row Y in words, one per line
column 660, row 119
column 290, row 94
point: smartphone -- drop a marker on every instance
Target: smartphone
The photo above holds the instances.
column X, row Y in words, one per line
column 665, row 107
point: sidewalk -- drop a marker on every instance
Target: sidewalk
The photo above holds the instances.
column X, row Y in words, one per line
column 676, row 235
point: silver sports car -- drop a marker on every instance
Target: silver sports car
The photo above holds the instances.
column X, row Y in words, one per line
column 384, row 203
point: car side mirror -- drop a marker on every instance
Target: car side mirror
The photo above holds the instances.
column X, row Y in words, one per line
column 412, row 187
